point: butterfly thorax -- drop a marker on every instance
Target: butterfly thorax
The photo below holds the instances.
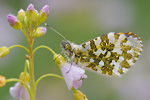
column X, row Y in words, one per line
column 70, row 51
column 67, row 48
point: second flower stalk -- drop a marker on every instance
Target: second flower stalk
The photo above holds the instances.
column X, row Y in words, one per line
column 28, row 22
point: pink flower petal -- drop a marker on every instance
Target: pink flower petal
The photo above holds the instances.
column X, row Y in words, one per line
column 77, row 83
column 44, row 30
column 45, row 9
column 73, row 75
column 77, row 72
column 67, row 77
column 24, row 94
column 19, row 92
column 12, row 19
column 15, row 91
column 30, row 7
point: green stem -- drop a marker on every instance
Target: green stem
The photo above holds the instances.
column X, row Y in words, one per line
column 34, row 27
column 14, row 80
column 25, row 33
column 19, row 46
column 42, row 46
column 46, row 75
column 74, row 90
column 31, row 70
column 26, row 66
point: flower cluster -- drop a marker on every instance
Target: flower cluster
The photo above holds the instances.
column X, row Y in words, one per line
column 28, row 21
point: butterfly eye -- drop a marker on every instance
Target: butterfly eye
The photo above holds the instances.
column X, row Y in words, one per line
column 68, row 46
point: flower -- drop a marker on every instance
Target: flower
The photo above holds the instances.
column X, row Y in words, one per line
column 43, row 13
column 19, row 91
column 40, row 31
column 79, row 95
column 2, row 81
column 3, row 51
column 14, row 22
column 73, row 75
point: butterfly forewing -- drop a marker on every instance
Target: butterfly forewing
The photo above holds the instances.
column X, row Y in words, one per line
column 110, row 54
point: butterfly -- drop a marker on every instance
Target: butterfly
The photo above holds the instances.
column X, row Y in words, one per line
column 111, row 54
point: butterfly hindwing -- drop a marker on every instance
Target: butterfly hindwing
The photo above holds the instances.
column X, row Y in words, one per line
column 110, row 54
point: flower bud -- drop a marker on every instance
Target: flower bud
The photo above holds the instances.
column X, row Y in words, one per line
column 40, row 31
column 79, row 95
column 21, row 15
column 30, row 9
column 43, row 13
column 2, row 81
column 24, row 77
column 35, row 14
column 3, row 51
column 31, row 13
column 14, row 22
column 59, row 60
column 45, row 10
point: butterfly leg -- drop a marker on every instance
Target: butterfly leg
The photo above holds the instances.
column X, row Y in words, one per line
column 70, row 66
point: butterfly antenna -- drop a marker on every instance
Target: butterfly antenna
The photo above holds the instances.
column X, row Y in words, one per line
column 55, row 31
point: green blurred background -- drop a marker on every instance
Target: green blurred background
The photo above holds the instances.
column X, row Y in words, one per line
column 79, row 21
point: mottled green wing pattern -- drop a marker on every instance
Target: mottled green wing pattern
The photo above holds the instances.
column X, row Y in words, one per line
column 110, row 54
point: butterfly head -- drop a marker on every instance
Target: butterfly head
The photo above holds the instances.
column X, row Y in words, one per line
column 66, row 47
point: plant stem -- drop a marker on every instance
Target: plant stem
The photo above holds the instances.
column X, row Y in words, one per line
column 31, row 70
column 46, row 75
column 19, row 46
column 43, row 46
